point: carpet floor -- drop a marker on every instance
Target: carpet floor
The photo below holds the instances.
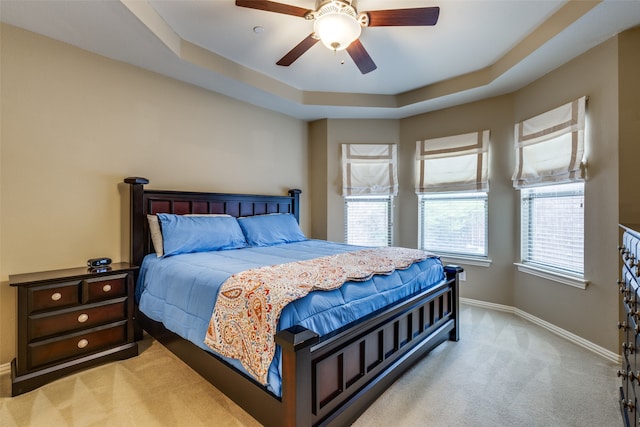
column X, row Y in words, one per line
column 504, row 371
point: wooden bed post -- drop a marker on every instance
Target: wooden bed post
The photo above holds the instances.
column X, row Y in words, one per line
column 296, row 344
column 453, row 271
column 295, row 207
column 137, row 219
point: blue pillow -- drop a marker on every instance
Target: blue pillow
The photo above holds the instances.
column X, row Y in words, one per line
column 266, row 230
column 184, row 234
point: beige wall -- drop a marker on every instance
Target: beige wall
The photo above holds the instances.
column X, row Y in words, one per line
column 629, row 124
column 492, row 283
column 318, row 167
column 339, row 132
column 75, row 124
column 589, row 313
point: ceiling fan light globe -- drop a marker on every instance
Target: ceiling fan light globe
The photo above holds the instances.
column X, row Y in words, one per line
column 337, row 30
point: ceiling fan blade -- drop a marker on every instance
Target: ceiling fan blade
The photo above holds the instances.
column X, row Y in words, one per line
column 271, row 6
column 297, row 51
column 404, row 17
column 361, row 57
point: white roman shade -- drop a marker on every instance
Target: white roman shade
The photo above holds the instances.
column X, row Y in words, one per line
column 453, row 163
column 550, row 147
column 369, row 169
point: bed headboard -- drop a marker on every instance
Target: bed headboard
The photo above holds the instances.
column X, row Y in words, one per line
column 145, row 202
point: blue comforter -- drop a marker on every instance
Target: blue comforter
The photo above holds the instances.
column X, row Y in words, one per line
column 181, row 290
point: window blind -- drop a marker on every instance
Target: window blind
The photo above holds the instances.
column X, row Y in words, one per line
column 453, row 163
column 553, row 227
column 368, row 221
column 369, row 169
column 550, row 147
column 454, row 223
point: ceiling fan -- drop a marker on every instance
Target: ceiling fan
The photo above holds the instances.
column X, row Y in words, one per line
column 338, row 24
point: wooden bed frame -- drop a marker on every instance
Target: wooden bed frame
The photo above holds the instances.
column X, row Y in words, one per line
column 326, row 380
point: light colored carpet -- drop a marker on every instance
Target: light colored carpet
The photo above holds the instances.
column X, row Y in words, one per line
column 503, row 372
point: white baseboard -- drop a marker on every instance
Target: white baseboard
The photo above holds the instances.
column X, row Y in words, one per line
column 5, row 368
column 601, row 351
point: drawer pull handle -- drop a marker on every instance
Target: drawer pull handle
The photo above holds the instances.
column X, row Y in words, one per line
column 83, row 317
column 106, row 288
column 83, row 343
column 56, row 296
column 621, row 325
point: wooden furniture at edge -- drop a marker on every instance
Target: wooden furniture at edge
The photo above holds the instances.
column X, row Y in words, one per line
column 326, row 380
column 629, row 324
column 71, row 319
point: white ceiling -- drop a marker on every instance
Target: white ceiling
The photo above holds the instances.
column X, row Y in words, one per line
column 478, row 48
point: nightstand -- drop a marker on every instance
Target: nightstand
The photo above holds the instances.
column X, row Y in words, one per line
column 71, row 319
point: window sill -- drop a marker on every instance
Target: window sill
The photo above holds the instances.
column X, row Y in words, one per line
column 565, row 279
column 479, row 262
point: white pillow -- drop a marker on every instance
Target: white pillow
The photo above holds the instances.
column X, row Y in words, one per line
column 156, row 234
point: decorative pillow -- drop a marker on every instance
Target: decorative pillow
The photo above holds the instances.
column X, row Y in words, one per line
column 199, row 233
column 266, row 230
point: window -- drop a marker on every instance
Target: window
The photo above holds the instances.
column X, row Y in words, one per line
column 368, row 220
column 452, row 184
column 369, row 183
column 552, row 227
column 549, row 172
column 454, row 223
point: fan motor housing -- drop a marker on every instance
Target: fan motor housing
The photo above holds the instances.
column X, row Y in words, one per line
column 353, row 4
column 343, row 7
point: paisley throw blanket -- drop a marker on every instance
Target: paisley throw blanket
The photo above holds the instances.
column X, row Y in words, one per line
column 244, row 319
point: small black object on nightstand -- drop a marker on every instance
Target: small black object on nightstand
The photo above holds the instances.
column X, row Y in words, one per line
column 98, row 262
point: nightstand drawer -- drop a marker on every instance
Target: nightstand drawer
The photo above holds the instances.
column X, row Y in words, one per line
column 54, row 296
column 69, row 346
column 102, row 288
column 47, row 324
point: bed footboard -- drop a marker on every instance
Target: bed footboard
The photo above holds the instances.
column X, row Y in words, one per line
column 334, row 379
